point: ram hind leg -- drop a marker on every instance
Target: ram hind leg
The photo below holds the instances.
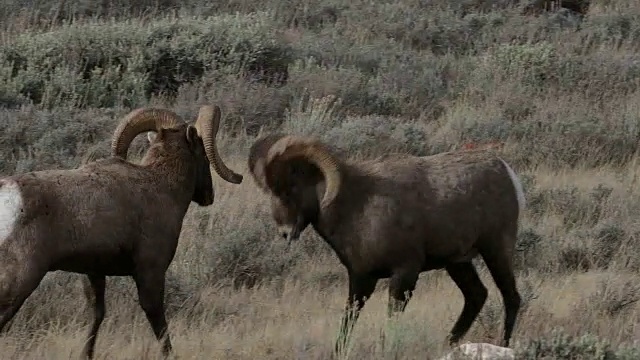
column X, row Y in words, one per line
column 475, row 294
column 500, row 265
column 150, row 286
column 15, row 288
column 95, row 289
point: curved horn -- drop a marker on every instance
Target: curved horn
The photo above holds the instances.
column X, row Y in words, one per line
column 258, row 157
column 138, row 121
column 314, row 152
column 207, row 127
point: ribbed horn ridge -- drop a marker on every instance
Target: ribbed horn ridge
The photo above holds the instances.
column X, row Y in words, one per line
column 207, row 126
column 258, row 156
column 315, row 153
column 138, row 121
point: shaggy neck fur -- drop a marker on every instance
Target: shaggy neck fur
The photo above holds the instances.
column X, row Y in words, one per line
column 175, row 167
column 330, row 219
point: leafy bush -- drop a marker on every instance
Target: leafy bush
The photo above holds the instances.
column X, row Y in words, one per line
column 123, row 63
column 559, row 345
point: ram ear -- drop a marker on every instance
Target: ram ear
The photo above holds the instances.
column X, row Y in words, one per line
column 151, row 135
column 192, row 136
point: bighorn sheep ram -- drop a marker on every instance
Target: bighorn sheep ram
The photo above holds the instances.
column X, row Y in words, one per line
column 397, row 216
column 110, row 217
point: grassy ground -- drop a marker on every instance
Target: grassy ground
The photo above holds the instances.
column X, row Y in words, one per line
column 560, row 91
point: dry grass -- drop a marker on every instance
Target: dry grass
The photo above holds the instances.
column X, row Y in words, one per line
column 295, row 321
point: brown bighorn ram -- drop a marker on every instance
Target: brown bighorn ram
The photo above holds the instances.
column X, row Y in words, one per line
column 397, row 216
column 110, row 217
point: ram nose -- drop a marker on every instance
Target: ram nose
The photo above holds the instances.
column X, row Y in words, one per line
column 288, row 233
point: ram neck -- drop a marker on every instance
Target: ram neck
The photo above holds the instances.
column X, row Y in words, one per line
column 178, row 175
column 336, row 221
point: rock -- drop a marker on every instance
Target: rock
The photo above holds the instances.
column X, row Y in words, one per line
column 480, row 351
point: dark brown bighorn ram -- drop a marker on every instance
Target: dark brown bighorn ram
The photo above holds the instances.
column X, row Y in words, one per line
column 397, row 216
column 110, row 217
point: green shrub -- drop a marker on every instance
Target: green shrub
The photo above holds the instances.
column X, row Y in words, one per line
column 559, row 345
column 124, row 63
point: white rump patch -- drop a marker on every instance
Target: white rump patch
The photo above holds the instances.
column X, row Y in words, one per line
column 516, row 184
column 10, row 206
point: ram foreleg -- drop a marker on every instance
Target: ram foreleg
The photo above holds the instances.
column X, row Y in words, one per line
column 97, row 289
column 150, row 286
column 360, row 289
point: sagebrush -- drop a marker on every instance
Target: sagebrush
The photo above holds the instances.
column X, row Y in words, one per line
column 558, row 90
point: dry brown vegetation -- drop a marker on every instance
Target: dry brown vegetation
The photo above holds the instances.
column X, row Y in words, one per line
column 562, row 92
